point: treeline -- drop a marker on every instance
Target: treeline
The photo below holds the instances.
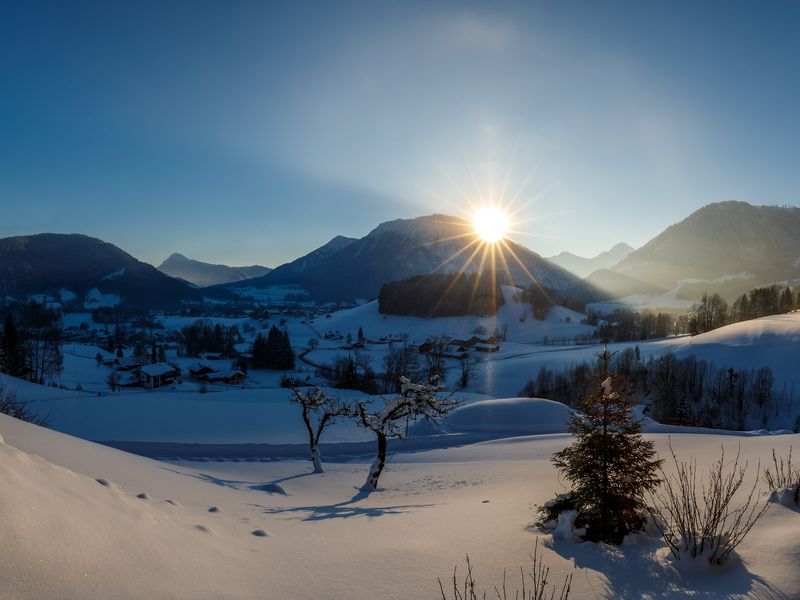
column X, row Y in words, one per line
column 540, row 299
column 274, row 351
column 204, row 336
column 625, row 325
column 683, row 391
column 401, row 361
column 442, row 295
column 30, row 344
column 713, row 311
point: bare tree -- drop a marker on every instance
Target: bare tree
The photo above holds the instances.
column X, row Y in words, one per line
column 113, row 380
column 467, row 364
column 699, row 519
column 415, row 400
column 401, row 360
column 319, row 411
column 435, row 363
column 536, row 586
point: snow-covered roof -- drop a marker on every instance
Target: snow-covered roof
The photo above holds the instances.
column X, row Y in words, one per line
column 224, row 374
column 158, row 369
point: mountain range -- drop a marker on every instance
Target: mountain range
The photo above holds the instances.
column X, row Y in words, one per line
column 726, row 247
column 583, row 267
column 204, row 274
column 348, row 269
column 85, row 270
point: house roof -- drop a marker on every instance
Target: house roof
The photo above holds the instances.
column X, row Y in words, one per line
column 157, row 370
column 224, row 374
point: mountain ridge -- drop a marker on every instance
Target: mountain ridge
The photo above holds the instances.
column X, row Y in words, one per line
column 203, row 274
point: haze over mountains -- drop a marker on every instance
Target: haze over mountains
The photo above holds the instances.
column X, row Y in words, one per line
column 583, row 267
column 726, row 247
column 204, row 274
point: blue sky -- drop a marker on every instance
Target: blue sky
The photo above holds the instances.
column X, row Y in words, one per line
column 253, row 132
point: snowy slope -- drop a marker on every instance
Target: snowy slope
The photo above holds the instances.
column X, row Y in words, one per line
column 513, row 317
column 70, row 536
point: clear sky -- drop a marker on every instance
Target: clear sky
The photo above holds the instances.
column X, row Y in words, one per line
column 253, row 132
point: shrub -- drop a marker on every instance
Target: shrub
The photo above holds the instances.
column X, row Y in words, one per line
column 19, row 409
column 700, row 519
column 536, row 586
column 785, row 477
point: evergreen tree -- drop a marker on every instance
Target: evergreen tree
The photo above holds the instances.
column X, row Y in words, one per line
column 12, row 349
column 287, row 354
column 610, row 464
column 273, row 348
column 259, row 352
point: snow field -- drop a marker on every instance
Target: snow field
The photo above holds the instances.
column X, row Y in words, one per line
column 325, row 540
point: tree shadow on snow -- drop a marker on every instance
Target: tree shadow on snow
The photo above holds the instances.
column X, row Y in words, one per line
column 634, row 571
column 346, row 509
column 270, row 487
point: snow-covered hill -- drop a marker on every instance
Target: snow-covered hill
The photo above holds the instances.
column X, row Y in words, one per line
column 82, row 521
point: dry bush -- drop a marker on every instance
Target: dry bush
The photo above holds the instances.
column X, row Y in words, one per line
column 783, row 475
column 19, row 409
column 701, row 518
column 536, row 586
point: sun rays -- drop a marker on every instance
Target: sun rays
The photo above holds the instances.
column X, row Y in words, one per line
column 488, row 216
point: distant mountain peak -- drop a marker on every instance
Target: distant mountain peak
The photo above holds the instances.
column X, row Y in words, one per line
column 583, row 267
column 710, row 249
column 204, row 274
column 400, row 249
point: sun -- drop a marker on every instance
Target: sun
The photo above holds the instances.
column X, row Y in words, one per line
column 491, row 224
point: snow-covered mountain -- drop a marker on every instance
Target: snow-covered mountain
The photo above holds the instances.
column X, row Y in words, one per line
column 583, row 267
column 287, row 271
column 204, row 274
column 86, row 270
column 403, row 248
column 726, row 247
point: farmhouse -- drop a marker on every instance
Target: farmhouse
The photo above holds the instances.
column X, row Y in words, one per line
column 156, row 375
column 227, row 376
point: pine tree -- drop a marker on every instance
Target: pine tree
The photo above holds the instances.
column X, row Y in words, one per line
column 286, row 352
column 273, row 348
column 12, row 349
column 610, row 464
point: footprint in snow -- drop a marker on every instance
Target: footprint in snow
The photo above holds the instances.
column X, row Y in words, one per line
column 214, row 509
column 173, row 502
column 103, row 482
column 259, row 533
column 202, row 528
column 143, row 496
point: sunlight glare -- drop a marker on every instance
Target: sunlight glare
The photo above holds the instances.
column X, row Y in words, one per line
column 491, row 224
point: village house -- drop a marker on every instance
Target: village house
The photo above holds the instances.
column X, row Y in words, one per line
column 157, row 375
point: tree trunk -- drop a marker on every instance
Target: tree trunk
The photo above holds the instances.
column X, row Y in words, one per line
column 377, row 466
column 316, row 458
